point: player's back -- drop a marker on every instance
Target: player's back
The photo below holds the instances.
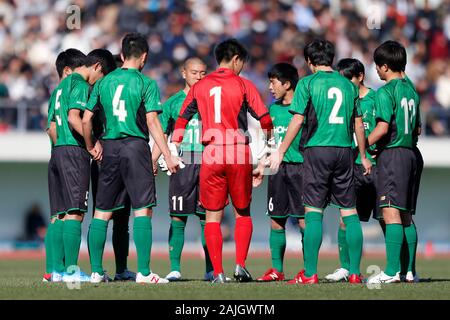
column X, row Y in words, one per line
column 124, row 96
column 223, row 102
column 397, row 103
column 333, row 100
column 71, row 93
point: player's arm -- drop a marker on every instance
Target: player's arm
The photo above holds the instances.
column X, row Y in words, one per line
column 298, row 108
column 153, row 107
column 78, row 100
column 384, row 112
column 51, row 131
column 94, row 148
column 188, row 110
column 361, row 139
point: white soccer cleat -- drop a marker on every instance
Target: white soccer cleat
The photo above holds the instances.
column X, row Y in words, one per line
column 152, row 278
column 384, row 278
column 340, row 274
column 127, row 275
column 411, row 278
column 98, row 278
column 174, row 276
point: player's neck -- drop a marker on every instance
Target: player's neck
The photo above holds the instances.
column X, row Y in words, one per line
column 131, row 64
column 82, row 71
column 323, row 68
column 186, row 89
column 287, row 99
column 227, row 65
column 393, row 75
column 363, row 91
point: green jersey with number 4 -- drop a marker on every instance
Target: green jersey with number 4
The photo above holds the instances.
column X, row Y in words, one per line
column 367, row 105
column 171, row 110
column 397, row 103
column 72, row 93
column 329, row 101
column 281, row 117
column 124, row 97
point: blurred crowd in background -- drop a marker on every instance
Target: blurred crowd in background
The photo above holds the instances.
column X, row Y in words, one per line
column 33, row 32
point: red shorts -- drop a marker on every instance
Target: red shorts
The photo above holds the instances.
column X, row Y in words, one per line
column 226, row 170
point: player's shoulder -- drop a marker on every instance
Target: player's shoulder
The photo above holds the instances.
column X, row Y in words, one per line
column 175, row 97
column 307, row 80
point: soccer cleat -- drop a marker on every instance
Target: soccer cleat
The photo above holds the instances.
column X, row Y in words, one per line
column 220, row 279
column 56, row 276
column 411, row 278
column 354, row 278
column 300, row 278
column 241, row 274
column 47, row 277
column 384, row 278
column 271, row 275
column 152, row 278
column 76, row 277
column 340, row 274
column 98, row 278
column 127, row 275
column 174, row 276
column 209, row 276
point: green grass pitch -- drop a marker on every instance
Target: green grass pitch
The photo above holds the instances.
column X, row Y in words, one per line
column 21, row 279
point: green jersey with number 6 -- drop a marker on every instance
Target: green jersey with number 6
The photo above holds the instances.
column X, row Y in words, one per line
column 72, row 93
column 281, row 117
column 397, row 103
column 171, row 110
column 124, row 97
column 329, row 101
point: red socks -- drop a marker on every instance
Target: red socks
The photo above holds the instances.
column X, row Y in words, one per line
column 242, row 236
column 214, row 242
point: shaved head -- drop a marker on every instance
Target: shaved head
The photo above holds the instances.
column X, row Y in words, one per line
column 193, row 60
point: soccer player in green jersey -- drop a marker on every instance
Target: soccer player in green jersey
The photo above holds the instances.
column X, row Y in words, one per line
column 184, row 185
column 397, row 115
column 284, row 192
column 130, row 103
column 365, row 185
column 71, row 158
column 65, row 63
column 330, row 103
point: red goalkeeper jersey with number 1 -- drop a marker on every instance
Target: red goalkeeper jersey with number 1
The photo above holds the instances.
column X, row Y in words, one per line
column 222, row 100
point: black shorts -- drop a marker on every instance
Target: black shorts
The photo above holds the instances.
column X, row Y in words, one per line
column 416, row 183
column 366, row 193
column 184, row 191
column 285, row 192
column 126, row 165
column 328, row 177
column 72, row 178
column 396, row 175
column 54, row 188
column 95, row 171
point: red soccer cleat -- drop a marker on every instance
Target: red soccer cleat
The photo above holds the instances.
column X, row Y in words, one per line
column 354, row 278
column 300, row 278
column 271, row 275
column 47, row 277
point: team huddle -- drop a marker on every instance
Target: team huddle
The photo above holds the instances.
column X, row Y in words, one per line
column 328, row 140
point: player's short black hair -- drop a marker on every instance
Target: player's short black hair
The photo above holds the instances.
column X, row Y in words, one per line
column 226, row 50
column 320, row 52
column 284, row 72
column 102, row 56
column 72, row 58
column 392, row 54
column 134, row 45
column 118, row 60
column 350, row 68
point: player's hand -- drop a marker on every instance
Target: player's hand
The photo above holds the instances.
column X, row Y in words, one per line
column 269, row 148
column 373, row 152
column 275, row 160
column 98, row 146
column 174, row 163
column 155, row 168
column 162, row 164
column 367, row 166
column 258, row 174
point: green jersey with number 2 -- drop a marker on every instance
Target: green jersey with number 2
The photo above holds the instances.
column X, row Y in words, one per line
column 329, row 101
column 397, row 103
column 124, row 97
